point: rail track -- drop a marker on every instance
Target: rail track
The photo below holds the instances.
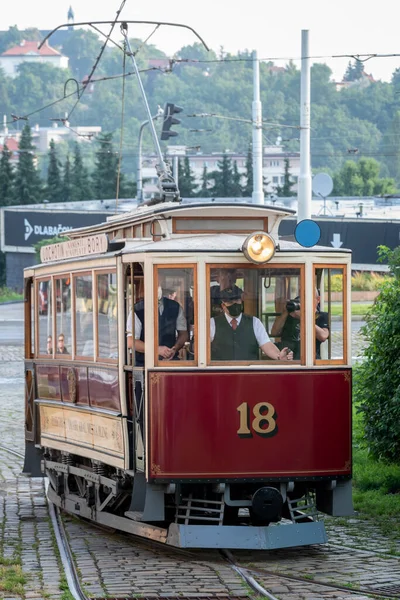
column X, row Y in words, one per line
column 250, row 575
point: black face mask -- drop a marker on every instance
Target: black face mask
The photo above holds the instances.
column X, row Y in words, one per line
column 235, row 310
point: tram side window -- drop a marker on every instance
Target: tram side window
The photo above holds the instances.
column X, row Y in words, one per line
column 45, row 317
column 84, row 315
column 107, row 315
column 176, row 315
column 330, row 314
column 63, row 316
column 255, row 314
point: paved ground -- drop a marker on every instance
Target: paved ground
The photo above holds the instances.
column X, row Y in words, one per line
column 115, row 565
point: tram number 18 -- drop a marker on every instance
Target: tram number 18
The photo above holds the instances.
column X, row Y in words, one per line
column 263, row 423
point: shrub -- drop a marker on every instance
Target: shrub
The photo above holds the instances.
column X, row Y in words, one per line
column 377, row 380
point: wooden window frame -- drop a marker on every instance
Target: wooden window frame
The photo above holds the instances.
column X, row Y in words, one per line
column 56, row 354
column 38, row 280
column 176, row 220
column 173, row 363
column 334, row 361
column 77, row 357
column 266, row 362
column 98, row 358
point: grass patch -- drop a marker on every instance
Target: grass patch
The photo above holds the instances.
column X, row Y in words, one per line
column 7, row 295
column 12, row 578
column 357, row 308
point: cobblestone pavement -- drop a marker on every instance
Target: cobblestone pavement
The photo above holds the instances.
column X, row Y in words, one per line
column 116, row 565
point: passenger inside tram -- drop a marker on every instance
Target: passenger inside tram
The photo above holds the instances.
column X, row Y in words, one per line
column 236, row 336
column 172, row 329
column 287, row 324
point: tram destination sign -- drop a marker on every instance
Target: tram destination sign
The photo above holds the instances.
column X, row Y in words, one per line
column 85, row 246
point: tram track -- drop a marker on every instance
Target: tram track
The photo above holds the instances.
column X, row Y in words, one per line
column 248, row 574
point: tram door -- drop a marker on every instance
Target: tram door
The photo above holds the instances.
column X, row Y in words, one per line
column 134, row 296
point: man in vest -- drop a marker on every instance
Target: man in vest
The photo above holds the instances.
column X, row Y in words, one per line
column 172, row 330
column 237, row 336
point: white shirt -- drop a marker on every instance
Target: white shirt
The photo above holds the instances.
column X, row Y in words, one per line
column 181, row 324
column 260, row 332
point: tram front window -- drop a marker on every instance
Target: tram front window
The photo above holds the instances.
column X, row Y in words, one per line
column 246, row 304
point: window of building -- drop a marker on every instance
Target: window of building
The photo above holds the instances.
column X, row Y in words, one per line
column 255, row 313
column 175, row 316
column 275, row 179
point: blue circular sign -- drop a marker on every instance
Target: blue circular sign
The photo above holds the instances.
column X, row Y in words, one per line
column 307, row 233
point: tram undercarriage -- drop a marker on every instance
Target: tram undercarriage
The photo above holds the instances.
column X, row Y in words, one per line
column 254, row 515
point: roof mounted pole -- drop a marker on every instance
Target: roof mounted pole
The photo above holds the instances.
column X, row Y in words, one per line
column 167, row 186
column 304, row 193
column 258, row 193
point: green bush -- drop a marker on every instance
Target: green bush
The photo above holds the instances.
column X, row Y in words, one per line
column 377, row 379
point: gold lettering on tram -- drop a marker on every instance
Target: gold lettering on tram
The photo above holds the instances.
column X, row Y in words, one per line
column 263, row 424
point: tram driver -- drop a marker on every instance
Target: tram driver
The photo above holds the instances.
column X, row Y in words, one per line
column 237, row 336
column 287, row 325
column 172, row 329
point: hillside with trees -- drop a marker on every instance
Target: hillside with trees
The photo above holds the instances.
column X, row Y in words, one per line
column 355, row 131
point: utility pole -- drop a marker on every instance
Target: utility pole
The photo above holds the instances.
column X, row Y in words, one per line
column 258, row 192
column 304, row 193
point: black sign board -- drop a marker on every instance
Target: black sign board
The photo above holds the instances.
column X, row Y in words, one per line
column 23, row 229
column 361, row 236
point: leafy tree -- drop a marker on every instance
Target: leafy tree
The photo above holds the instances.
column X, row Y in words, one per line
column 248, row 187
column 354, row 71
column 186, row 179
column 377, row 381
column 391, row 147
column 6, row 178
column 361, row 179
column 27, row 186
column 54, row 185
column 67, row 181
column 80, row 183
column 13, row 36
column 81, row 47
column 286, row 189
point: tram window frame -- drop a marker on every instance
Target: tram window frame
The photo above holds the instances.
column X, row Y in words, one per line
column 335, row 267
column 97, row 274
column 61, row 277
column 264, row 361
column 175, row 363
column 38, row 281
column 75, row 276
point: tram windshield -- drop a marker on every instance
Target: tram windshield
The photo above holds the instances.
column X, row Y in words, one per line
column 252, row 307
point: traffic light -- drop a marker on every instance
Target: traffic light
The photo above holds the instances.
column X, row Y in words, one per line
column 169, row 119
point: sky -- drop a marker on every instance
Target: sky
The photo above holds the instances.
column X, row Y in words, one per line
column 348, row 27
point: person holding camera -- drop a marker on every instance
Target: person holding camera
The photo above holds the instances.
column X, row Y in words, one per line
column 237, row 336
column 287, row 325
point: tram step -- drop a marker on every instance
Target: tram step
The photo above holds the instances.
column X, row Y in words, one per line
column 135, row 515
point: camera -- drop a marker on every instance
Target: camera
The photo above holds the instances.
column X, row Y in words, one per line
column 292, row 305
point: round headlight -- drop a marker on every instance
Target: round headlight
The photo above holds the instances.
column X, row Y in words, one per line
column 259, row 247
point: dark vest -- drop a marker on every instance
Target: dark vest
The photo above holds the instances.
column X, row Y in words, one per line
column 234, row 345
column 290, row 337
column 166, row 326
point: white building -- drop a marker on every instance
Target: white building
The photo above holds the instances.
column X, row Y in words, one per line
column 29, row 52
column 273, row 167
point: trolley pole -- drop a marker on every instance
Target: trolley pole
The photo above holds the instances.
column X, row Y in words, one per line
column 258, row 193
column 304, row 193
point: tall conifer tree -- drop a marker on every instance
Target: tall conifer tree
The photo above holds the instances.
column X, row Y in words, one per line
column 80, row 183
column 6, row 178
column 28, row 185
column 54, row 184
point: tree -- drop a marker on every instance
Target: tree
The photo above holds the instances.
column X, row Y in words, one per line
column 377, row 380
column 80, row 183
column 6, row 178
column 237, row 190
column 54, row 185
column 28, row 185
column 391, row 147
column 361, row 179
column 223, row 179
column 67, row 181
column 248, row 188
column 186, row 179
column 106, row 169
column 285, row 190
column 204, row 191
column 354, row 71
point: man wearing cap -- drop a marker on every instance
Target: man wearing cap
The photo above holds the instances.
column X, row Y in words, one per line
column 237, row 336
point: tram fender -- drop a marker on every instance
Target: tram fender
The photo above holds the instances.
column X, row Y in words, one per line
column 33, row 460
column 338, row 501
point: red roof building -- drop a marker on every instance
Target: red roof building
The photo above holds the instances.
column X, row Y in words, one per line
column 29, row 52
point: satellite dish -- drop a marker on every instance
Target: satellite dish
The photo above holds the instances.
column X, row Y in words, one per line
column 322, row 184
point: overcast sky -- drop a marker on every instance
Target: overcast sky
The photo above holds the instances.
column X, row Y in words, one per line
column 272, row 28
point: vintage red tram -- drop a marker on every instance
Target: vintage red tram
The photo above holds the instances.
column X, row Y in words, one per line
column 155, row 418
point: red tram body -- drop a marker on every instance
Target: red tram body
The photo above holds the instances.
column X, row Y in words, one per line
column 196, row 444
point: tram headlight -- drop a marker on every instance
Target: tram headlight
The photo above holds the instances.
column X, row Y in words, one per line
column 259, row 247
